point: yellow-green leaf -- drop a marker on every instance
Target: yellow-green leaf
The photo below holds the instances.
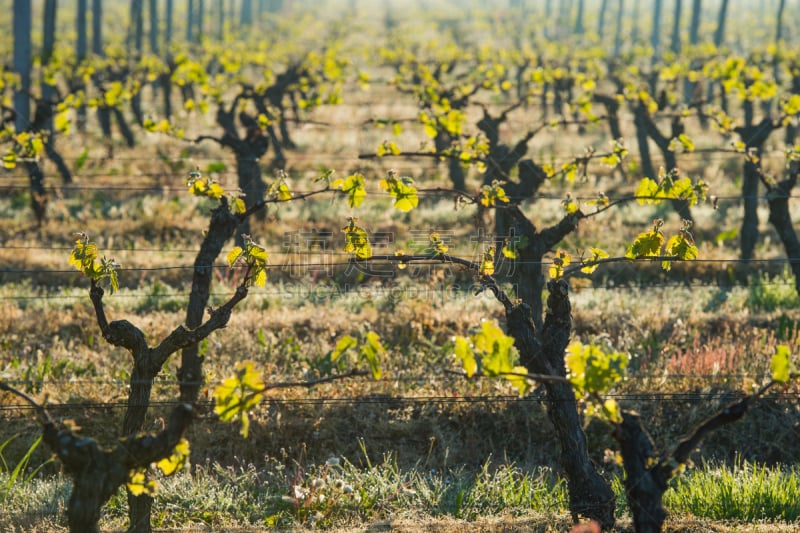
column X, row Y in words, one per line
column 463, row 352
column 357, row 240
column 177, row 460
column 10, row 160
column 344, row 343
column 403, row 191
column 238, row 394
column 235, row 253
column 781, row 364
column 487, row 264
column 354, row 187
column 519, row 382
column 597, row 254
column 138, row 484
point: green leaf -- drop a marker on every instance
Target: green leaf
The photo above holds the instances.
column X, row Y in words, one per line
column 726, row 235
column 234, row 255
column 688, row 144
column 492, row 351
column 354, row 187
column 83, row 254
column 682, row 246
column 238, row 394
column 496, row 349
column 437, row 246
column 647, row 191
column 593, row 371
column 430, row 130
column 345, row 342
column 569, row 205
column 597, row 254
column 402, row 190
column 371, row 349
column 204, row 186
column 138, row 484
column 487, row 264
column 280, row 190
column 356, row 240
column 611, row 411
column 255, row 257
column 647, row 244
column 238, row 206
column 560, row 262
column 491, row 194
column 388, row 148
column 84, row 258
column 512, row 247
column 10, row 160
column 781, row 364
column 519, row 382
column 177, row 460
column 463, row 352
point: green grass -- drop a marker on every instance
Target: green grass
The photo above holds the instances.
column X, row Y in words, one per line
column 767, row 293
column 745, row 492
column 338, row 493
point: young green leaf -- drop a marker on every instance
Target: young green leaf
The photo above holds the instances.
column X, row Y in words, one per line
column 560, row 262
column 345, row 343
column 781, row 364
column 493, row 352
column 388, row 148
column 84, row 258
column 403, row 191
column 238, row 394
column 437, row 246
column 371, row 350
column 591, row 370
column 138, row 484
column 204, row 186
column 177, row 460
column 569, row 205
column 254, row 257
column 648, row 243
column 10, row 160
column 234, row 255
column 491, row 194
column 591, row 264
column 354, row 187
column 518, row 380
column 356, row 240
column 682, row 247
column 511, row 247
column 487, row 264
column 464, row 353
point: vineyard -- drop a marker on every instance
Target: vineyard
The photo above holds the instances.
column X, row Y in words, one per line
column 400, row 266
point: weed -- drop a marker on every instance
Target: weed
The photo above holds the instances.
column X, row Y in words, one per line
column 769, row 294
column 20, row 473
column 746, row 491
column 160, row 297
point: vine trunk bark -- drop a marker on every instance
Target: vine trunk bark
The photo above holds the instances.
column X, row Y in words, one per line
column 542, row 352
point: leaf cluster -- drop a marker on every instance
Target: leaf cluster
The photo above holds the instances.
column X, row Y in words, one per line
column 356, row 240
column 594, row 372
column 84, row 257
column 490, row 352
column 238, row 394
column 254, row 257
column 138, row 481
column 208, row 187
column 402, row 190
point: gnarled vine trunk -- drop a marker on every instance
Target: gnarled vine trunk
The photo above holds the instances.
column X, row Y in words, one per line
column 542, row 352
